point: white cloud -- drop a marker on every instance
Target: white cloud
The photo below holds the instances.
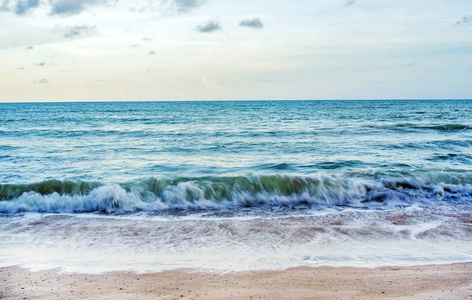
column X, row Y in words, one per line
column 208, row 84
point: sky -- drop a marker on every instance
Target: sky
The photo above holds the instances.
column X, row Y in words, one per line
column 107, row 50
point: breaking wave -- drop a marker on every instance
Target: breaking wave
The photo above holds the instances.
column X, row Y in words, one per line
column 353, row 189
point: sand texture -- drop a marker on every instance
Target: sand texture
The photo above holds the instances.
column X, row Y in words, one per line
column 419, row 282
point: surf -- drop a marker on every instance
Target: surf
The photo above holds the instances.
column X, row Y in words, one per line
column 368, row 189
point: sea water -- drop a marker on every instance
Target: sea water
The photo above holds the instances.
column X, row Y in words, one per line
column 229, row 186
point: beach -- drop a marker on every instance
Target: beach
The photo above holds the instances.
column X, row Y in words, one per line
column 450, row 281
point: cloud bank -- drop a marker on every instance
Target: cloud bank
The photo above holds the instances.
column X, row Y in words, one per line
column 209, row 27
column 56, row 7
column 75, row 7
column 20, row 7
column 252, row 23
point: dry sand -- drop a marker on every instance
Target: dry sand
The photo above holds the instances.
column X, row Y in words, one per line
column 420, row 282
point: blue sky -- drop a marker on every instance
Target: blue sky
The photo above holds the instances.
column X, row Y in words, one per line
column 89, row 50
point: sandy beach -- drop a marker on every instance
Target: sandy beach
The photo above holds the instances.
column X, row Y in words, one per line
column 452, row 281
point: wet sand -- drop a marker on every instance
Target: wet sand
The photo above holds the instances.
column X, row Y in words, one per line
column 452, row 281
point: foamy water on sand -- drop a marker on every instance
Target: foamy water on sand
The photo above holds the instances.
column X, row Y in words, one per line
column 144, row 243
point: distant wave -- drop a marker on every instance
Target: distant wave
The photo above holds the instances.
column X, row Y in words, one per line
column 356, row 189
column 446, row 127
column 326, row 165
column 411, row 126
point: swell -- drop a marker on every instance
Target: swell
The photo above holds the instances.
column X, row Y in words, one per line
column 446, row 127
column 410, row 126
column 370, row 189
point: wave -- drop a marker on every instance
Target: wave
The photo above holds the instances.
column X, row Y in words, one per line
column 411, row 126
column 446, row 127
column 326, row 165
column 460, row 157
column 370, row 189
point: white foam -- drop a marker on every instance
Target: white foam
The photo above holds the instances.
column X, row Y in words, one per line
column 95, row 243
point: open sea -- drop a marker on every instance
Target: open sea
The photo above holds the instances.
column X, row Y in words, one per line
column 233, row 186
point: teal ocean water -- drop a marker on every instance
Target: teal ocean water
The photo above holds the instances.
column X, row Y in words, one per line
column 145, row 186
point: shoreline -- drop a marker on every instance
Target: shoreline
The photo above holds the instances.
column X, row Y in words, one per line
column 446, row 281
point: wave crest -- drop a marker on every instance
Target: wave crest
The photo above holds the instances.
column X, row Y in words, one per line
column 160, row 194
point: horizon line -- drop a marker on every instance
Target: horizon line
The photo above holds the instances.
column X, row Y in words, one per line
column 235, row 100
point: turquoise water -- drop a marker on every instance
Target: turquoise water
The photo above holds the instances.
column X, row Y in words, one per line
column 222, row 176
column 332, row 152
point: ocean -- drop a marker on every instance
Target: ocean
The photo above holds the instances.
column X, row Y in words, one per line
column 234, row 185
